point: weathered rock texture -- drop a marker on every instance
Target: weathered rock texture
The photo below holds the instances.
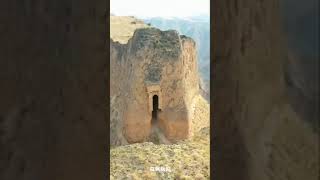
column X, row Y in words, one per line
column 301, row 25
column 152, row 62
column 53, row 68
column 257, row 134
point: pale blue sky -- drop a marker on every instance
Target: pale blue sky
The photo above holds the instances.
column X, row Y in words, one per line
column 162, row 8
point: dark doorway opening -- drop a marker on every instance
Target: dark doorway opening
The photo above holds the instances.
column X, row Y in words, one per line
column 155, row 107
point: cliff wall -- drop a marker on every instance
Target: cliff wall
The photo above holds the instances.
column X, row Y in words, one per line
column 53, row 71
column 258, row 135
column 152, row 58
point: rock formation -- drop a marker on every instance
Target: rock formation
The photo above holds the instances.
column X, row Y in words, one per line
column 53, row 69
column 151, row 65
column 198, row 28
column 257, row 133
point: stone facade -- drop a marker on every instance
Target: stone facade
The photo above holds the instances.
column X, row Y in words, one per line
column 160, row 63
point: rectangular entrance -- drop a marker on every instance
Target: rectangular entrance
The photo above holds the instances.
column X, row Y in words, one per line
column 155, row 108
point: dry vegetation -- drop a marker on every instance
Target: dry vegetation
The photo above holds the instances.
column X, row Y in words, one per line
column 189, row 159
column 122, row 28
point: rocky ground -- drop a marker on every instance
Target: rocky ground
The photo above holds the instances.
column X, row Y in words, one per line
column 188, row 159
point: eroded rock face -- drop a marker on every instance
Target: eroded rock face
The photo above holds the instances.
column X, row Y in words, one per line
column 153, row 62
column 301, row 22
column 53, row 90
column 175, row 124
column 258, row 135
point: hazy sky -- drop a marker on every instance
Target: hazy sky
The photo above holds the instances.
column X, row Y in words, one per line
column 163, row 8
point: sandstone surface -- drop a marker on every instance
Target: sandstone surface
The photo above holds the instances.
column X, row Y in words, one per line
column 187, row 159
column 53, row 79
column 257, row 132
column 151, row 63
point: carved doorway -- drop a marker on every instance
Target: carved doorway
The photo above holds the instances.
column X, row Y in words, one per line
column 155, row 108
